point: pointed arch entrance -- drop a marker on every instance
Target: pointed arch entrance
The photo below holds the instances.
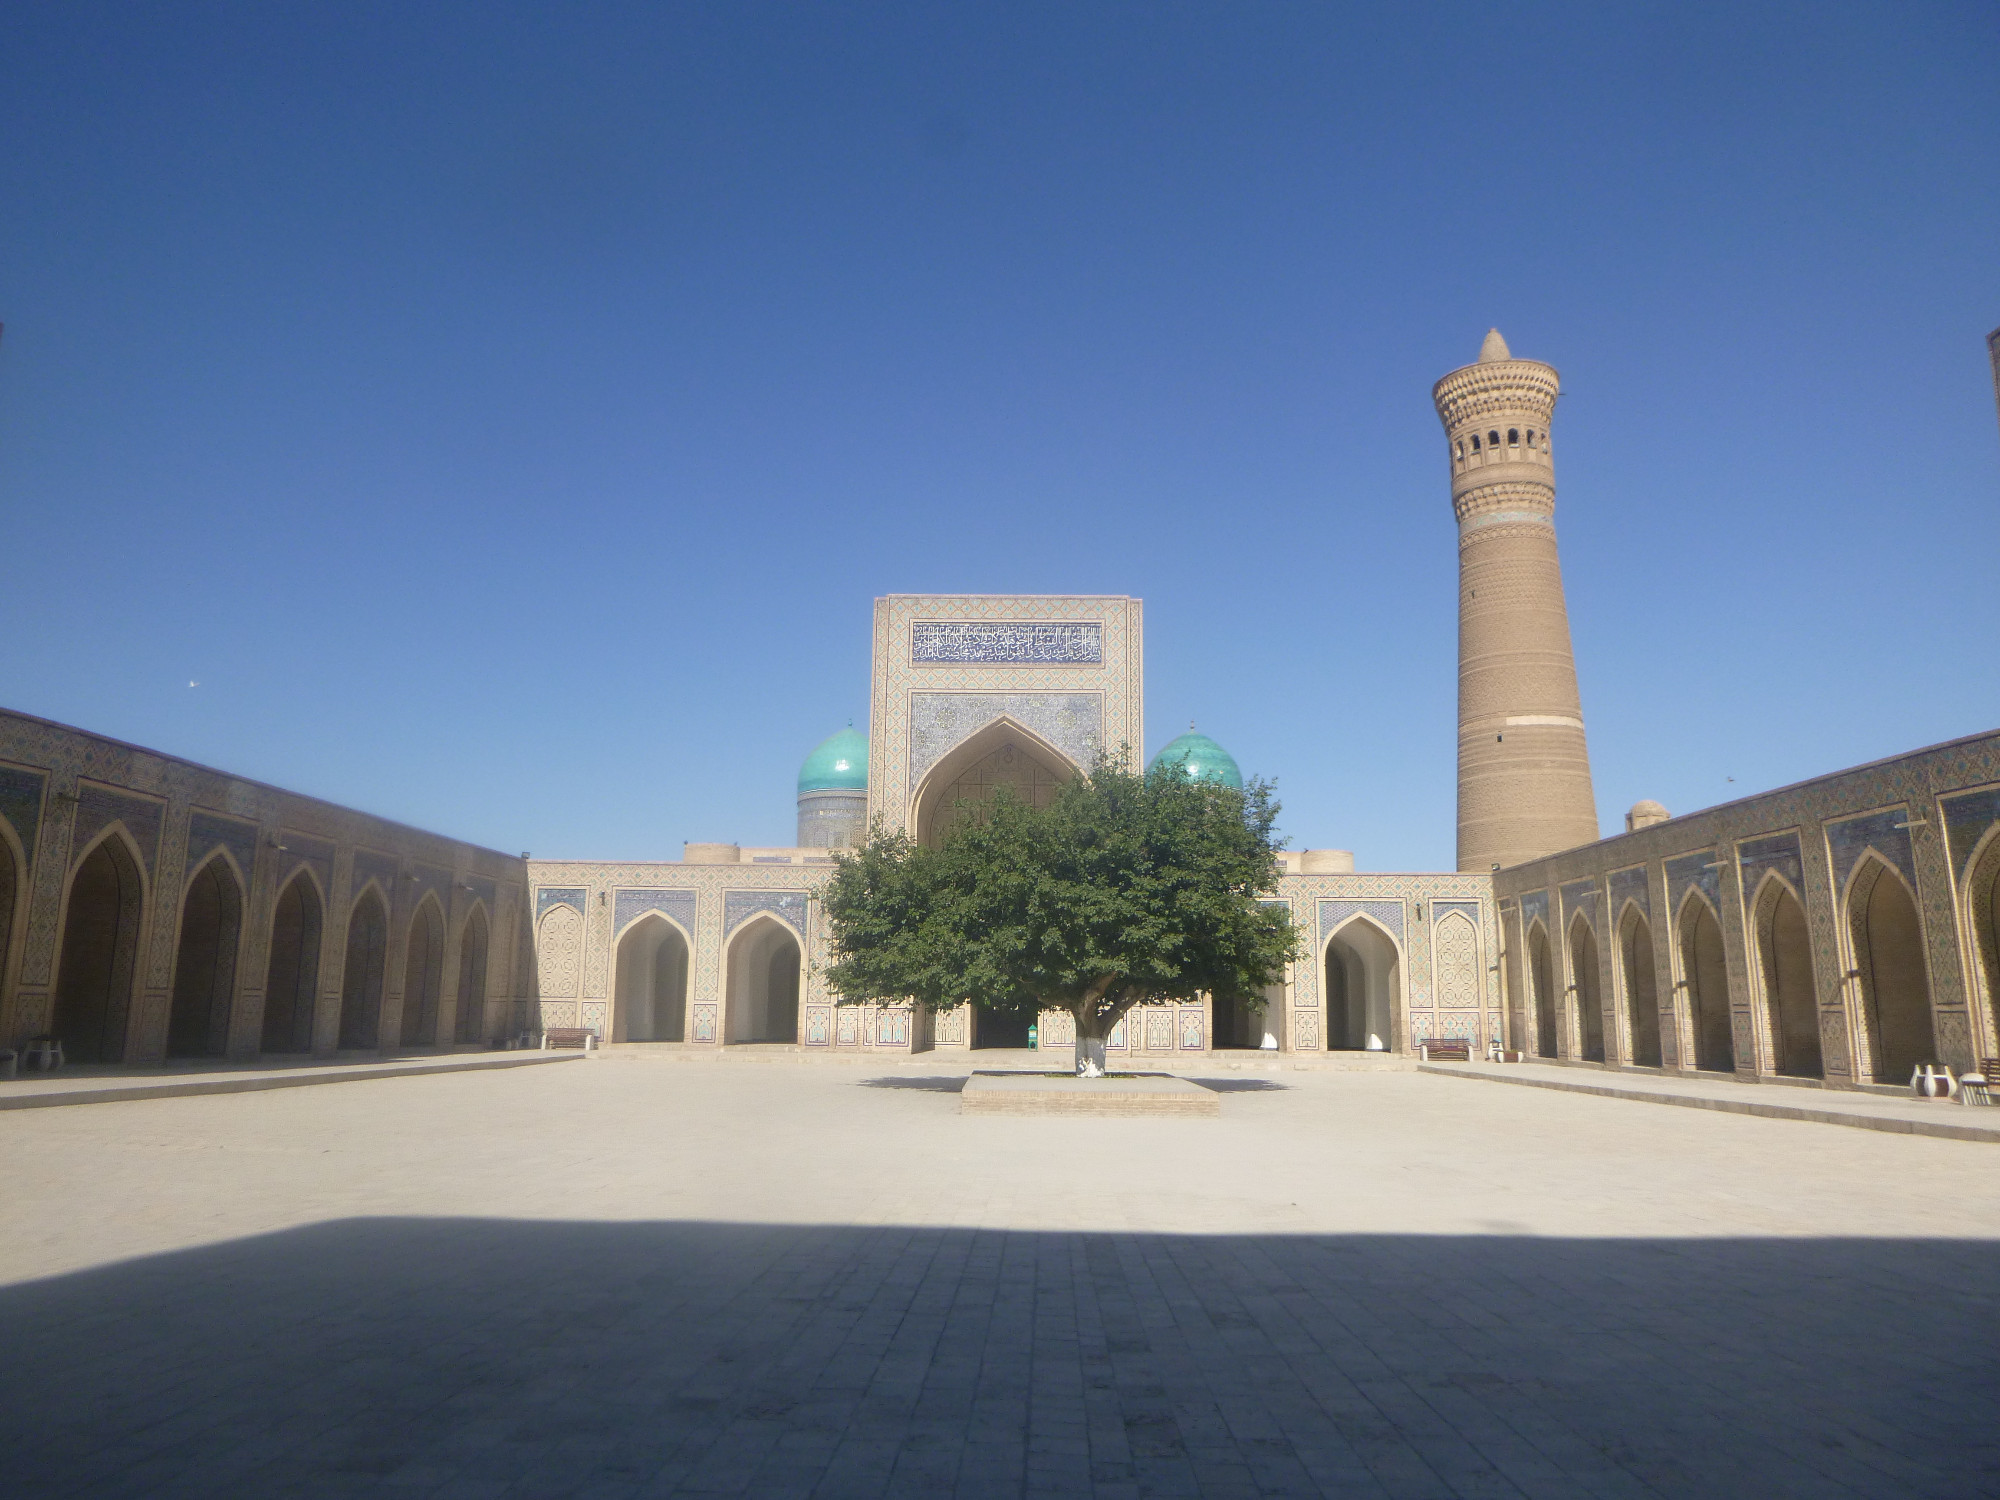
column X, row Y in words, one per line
column 1642, row 996
column 1589, row 990
column 764, row 963
column 1542, row 981
column 205, row 963
column 1983, row 914
column 100, row 952
column 1363, row 971
column 1705, row 975
column 469, row 1017
column 1784, row 971
column 292, row 976
column 649, row 1003
column 361, row 973
column 423, row 973
column 1888, row 940
column 10, row 903
column 1003, row 754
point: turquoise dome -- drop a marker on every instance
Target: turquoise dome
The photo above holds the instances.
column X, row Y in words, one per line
column 1202, row 759
column 840, row 764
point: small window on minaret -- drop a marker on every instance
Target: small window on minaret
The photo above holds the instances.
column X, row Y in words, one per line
column 1531, row 437
column 1513, row 437
column 1475, row 442
column 1492, row 439
column 1461, row 453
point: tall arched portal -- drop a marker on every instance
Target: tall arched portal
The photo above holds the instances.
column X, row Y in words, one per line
column 1542, row 980
column 361, row 974
column 1705, row 972
column 10, row 885
column 1895, row 986
column 423, row 972
column 650, row 1002
column 293, row 973
column 469, row 1019
column 1784, row 963
column 1362, row 967
column 1589, row 991
column 99, row 952
column 764, row 963
column 205, row 964
column 1642, row 997
column 1003, row 754
column 1238, row 1023
column 1983, row 904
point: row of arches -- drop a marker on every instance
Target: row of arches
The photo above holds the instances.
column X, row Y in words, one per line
column 764, row 970
column 103, row 913
column 1535, row 443
column 1889, row 977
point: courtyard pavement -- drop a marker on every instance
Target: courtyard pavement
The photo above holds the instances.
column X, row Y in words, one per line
column 622, row 1277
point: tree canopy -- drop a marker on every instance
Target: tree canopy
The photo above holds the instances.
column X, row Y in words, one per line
column 1128, row 889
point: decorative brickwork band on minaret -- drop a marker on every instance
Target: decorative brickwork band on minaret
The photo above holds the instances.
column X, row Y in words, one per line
column 1523, row 769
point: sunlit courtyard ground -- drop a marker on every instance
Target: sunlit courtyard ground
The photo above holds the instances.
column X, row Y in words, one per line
column 621, row 1277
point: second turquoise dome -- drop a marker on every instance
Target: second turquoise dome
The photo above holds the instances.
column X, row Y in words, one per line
column 1202, row 759
column 840, row 764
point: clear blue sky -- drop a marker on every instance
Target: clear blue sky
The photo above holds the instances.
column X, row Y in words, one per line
column 507, row 415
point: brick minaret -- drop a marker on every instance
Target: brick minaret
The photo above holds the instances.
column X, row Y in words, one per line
column 1523, row 769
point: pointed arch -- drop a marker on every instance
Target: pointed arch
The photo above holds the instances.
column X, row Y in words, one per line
column 1982, row 922
column 1783, row 973
column 763, row 973
column 1638, row 977
column 14, row 877
column 291, row 976
column 1004, row 751
column 361, row 970
column 205, row 956
column 1886, row 936
column 1704, row 965
column 104, row 911
column 1363, row 966
column 649, row 995
column 1586, row 985
column 423, row 973
column 475, row 942
column 1542, row 987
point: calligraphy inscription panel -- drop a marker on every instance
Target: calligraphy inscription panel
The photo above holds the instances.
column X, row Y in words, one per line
column 1063, row 642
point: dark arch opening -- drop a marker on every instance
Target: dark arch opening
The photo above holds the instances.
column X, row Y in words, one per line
column 1542, row 980
column 1705, row 971
column 1984, row 910
column 764, row 963
column 423, row 970
column 10, row 884
column 205, row 964
column 292, row 977
column 100, row 950
column 1895, row 983
column 361, row 974
column 1784, row 954
column 470, row 1017
column 650, row 1002
column 1589, row 991
column 1642, row 998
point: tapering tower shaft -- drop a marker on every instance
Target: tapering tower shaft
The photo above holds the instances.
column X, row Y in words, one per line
column 1523, row 767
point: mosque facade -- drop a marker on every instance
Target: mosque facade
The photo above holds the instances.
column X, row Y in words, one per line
column 1840, row 933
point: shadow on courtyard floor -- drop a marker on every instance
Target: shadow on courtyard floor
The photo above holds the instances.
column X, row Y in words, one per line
column 466, row 1356
column 944, row 1085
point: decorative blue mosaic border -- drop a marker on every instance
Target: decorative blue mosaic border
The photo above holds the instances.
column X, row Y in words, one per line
column 558, row 895
column 739, row 907
column 631, row 905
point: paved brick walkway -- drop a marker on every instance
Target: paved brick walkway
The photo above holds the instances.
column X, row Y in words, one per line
column 623, row 1278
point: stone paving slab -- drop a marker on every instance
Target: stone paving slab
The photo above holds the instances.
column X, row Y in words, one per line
column 1943, row 1118
column 1117, row 1094
column 627, row 1281
column 117, row 1085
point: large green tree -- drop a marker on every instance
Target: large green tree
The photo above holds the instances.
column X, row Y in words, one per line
column 1128, row 889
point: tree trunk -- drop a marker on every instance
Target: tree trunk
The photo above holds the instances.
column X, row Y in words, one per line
column 1094, row 1024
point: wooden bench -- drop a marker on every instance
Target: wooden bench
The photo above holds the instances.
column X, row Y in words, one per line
column 1445, row 1049
column 582, row 1038
column 1982, row 1087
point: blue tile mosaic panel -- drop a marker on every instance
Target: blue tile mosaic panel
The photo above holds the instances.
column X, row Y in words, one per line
column 1779, row 853
column 629, row 905
column 1700, row 870
column 98, row 806
column 1887, row 833
column 1009, row 642
column 1966, row 819
column 1534, row 908
column 381, row 868
column 1579, row 896
column 1388, row 914
column 207, row 830
column 558, row 895
column 739, row 906
column 1631, row 885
